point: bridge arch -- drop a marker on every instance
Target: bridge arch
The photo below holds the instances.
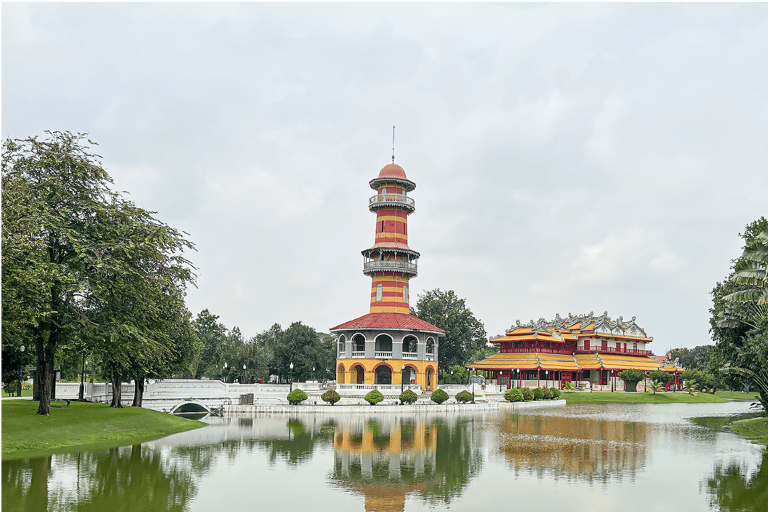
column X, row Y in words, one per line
column 190, row 406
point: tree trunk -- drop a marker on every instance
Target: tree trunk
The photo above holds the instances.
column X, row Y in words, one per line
column 138, row 390
column 45, row 366
column 117, row 388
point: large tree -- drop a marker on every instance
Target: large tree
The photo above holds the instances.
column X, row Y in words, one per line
column 80, row 262
column 300, row 345
column 739, row 321
column 464, row 334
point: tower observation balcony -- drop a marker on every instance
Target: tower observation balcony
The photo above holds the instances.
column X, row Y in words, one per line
column 405, row 267
column 390, row 200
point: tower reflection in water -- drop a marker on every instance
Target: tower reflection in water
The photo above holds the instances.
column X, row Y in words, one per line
column 390, row 457
column 568, row 447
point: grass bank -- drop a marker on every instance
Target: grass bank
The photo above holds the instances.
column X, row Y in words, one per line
column 583, row 397
column 736, row 395
column 81, row 426
column 24, row 392
column 754, row 429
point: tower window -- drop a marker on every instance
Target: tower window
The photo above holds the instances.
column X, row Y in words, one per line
column 379, row 292
column 405, row 294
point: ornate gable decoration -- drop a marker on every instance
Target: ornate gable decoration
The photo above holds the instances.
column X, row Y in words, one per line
column 574, row 323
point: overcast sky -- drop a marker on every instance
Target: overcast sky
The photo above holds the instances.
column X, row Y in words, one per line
column 567, row 157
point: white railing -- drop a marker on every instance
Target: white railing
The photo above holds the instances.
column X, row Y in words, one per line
column 358, row 354
column 374, row 265
column 409, row 355
column 380, row 355
column 392, row 199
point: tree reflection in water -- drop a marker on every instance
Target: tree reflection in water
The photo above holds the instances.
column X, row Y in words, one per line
column 733, row 491
column 128, row 478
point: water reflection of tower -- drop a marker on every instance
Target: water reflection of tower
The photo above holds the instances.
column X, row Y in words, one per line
column 389, row 457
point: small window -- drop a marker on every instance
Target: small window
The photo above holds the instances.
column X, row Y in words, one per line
column 379, row 292
column 405, row 294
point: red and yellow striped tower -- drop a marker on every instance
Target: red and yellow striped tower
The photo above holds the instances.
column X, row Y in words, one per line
column 390, row 262
column 388, row 348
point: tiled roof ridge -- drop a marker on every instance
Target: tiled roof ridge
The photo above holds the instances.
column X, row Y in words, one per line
column 394, row 321
column 602, row 322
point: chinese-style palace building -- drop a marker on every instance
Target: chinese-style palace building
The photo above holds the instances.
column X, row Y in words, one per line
column 388, row 347
column 586, row 350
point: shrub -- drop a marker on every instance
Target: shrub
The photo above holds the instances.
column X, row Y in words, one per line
column 513, row 395
column 568, row 386
column 527, row 394
column 464, row 396
column 538, row 394
column 296, row 396
column 555, row 393
column 546, row 393
column 439, row 396
column 631, row 377
column 374, row 396
column 408, row 397
column 330, row 396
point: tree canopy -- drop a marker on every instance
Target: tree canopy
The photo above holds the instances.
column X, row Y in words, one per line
column 464, row 334
column 82, row 265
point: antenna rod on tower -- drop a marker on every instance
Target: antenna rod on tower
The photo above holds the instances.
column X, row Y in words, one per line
column 393, row 144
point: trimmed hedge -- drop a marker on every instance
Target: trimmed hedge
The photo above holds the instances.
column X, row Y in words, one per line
column 464, row 396
column 513, row 395
column 373, row 397
column 527, row 394
column 538, row 394
column 547, row 393
column 408, row 397
column 555, row 393
column 330, row 396
column 296, row 396
column 439, row 396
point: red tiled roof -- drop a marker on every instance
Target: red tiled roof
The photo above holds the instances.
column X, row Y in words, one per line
column 389, row 245
column 396, row 321
column 392, row 171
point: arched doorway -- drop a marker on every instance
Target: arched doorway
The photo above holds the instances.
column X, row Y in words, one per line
column 410, row 344
column 430, row 377
column 409, row 375
column 340, row 377
column 383, row 374
column 358, row 374
column 358, row 341
column 383, row 345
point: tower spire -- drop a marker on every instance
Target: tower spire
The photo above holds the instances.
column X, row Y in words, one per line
column 393, row 144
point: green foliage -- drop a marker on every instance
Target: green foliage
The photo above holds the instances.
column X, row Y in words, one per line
column 546, row 393
column 513, row 395
column 703, row 380
column 660, row 376
column 330, row 396
column 374, row 396
column 691, row 358
column 569, row 386
column 300, row 345
column 296, row 396
column 464, row 334
column 456, row 374
column 84, row 268
column 464, row 396
column 555, row 393
column 439, row 396
column 631, row 377
column 408, row 397
column 527, row 394
column 538, row 393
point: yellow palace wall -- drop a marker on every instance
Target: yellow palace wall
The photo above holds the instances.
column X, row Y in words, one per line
column 348, row 376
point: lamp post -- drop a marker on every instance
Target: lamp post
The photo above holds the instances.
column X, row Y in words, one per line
column 313, row 373
column 225, row 371
column 245, row 375
column 518, row 376
column 546, row 377
column 290, row 388
column 21, row 369
column 473, row 386
column 402, row 378
column 613, row 382
column 81, row 395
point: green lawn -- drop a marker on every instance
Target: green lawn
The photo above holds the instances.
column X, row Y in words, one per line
column 755, row 429
column 583, row 397
column 24, row 392
column 81, row 426
column 736, row 395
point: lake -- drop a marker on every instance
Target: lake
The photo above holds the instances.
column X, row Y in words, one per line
column 593, row 457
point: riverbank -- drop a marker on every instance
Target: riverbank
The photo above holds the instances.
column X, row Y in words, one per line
column 754, row 429
column 81, row 425
column 583, row 397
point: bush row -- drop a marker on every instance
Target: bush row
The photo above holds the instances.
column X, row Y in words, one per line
column 526, row 395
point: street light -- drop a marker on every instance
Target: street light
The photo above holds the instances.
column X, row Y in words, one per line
column 245, row 375
column 225, row 371
column 82, row 380
column 290, row 388
column 613, row 383
column 402, row 378
column 473, row 386
column 546, row 377
column 518, row 377
column 21, row 369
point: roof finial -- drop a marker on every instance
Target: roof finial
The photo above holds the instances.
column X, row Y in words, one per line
column 393, row 144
